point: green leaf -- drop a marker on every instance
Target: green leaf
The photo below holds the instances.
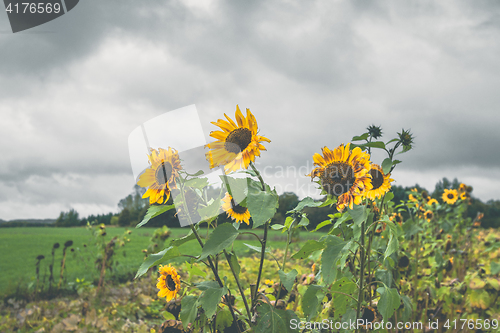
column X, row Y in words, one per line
column 331, row 254
column 389, row 302
column 256, row 248
column 495, row 268
column 359, row 214
column 211, row 296
column 340, row 301
column 271, row 320
column 224, row 319
column 323, row 224
column 262, row 205
column 178, row 242
column 157, row 258
column 210, row 211
column 408, row 308
column 196, row 183
column 393, row 140
column 154, row 211
column 385, row 276
column 309, row 247
column 167, row 315
column 363, row 136
column 234, row 262
column 288, row 279
column 375, row 144
column 392, row 246
column 222, row 237
column 238, row 187
column 330, row 200
column 389, row 196
column 194, row 270
column 387, row 165
column 306, row 202
column 311, row 300
column 304, row 221
column 277, row 226
column 189, row 308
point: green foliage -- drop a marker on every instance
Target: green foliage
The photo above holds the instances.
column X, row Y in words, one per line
column 271, row 320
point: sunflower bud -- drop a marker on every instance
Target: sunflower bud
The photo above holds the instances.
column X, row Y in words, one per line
column 406, row 139
column 374, row 131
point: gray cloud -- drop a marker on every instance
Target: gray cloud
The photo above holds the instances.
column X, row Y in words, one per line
column 314, row 74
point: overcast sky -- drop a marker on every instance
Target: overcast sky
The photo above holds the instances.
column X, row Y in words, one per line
column 314, row 73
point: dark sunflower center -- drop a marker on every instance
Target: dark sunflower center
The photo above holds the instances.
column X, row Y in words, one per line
column 404, row 261
column 170, row 283
column 163, row 173
column 338, row 179
column 377, row 178
column 398, row 218
column 238, row 140
column 239, row 209
column 368, row 315
column 450, row 196
column 429, row 215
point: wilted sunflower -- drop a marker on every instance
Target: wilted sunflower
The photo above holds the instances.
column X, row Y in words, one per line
column 237, row 144
column 160, row 176
column 236, row 212
column 381, row 182
column 169, row 282
column 343, row 173
column 429, row 215
column 425, row 195
column 450, row 196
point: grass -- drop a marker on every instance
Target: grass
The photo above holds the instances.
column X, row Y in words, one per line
column 19, row 248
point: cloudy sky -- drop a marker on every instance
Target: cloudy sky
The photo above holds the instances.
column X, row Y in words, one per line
column 314, row 73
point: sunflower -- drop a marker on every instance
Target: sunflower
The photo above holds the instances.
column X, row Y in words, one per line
column 429, row 215
column 397, row 218
column 450, row 196
column 411, row 197
column 237, row 144
column 343, row 173
column 235, row 212
column 380, row 228
column 462, row 187
column 160, row 176
column 368, row 317
column 464, row 195
column 381, row 182
column 432, row 201
column 425, row 195
column 169, row 282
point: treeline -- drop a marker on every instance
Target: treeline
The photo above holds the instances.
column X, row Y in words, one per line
column 133, row 209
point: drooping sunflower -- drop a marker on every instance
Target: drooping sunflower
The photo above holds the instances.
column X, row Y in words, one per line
column 425, row 195
column 169, row 282
column 450, row 196
column 343, row 173
column 236, row 212
column 160, row 176
column 381, row 183
column 462, row 187
column 237, row 144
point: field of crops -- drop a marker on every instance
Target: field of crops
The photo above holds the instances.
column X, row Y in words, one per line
column 19, row 248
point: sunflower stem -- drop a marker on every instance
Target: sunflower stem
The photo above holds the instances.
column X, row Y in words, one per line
column 361, row 272
column 210, row 262
column 242, row 292
column 284, row 260
column 264, row 241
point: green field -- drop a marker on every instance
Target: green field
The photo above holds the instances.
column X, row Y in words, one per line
column 19, row 248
